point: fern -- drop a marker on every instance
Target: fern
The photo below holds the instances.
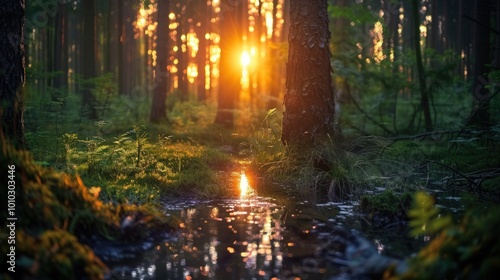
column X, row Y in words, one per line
column 425, row 217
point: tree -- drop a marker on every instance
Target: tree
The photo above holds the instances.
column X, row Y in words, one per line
column 127, row 46
column 424, row 92
column 480, row 92
column 309, row 98
column 158, row 107
column 181, row 54
column 230, row 68
column 12, row 75
column 89, row 55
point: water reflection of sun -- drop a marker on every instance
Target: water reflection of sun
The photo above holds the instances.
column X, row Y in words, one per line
column 245, row 188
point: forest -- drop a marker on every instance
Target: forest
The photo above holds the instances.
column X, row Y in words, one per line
column 250, row 139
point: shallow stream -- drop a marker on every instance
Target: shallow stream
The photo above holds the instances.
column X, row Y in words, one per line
column 250, row 238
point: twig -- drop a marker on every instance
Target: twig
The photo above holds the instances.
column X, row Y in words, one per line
column 423, row 135
column 370, row 117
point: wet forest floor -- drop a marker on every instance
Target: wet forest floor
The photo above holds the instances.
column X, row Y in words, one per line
column 131, row 196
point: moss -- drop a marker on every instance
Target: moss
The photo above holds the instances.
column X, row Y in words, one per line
column 388, row 203
column 54, row 210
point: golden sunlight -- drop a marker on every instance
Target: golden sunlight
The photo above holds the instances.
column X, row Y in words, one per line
column 245, row 59
column 244, row 185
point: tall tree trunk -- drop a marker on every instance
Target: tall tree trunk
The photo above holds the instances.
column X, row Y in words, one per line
column 159, row 107
column 201, row 56
column 127, row 47
column 114, row 32
column 424, row 93
column 181, row 56
column 480, row 94
column 89, row 53
column 230, row 68
column 274, row 86
column 436, row 23
column 60, row 50
column 309, row 99
column 12, row 17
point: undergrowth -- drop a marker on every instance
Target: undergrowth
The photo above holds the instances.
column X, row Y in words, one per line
column 338, row 170
column 54, row 211
column 466, row 250
column 134, row 169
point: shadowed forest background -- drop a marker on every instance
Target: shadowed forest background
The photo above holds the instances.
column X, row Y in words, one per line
column 130, row 103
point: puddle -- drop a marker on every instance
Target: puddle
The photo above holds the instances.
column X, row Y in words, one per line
column 228, row 239
column 254, row 238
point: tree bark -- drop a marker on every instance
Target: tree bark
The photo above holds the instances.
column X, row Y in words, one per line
column 12, row 73
column 89, row 55
column 309, row 99
column 230, row 66
column 181, row 56
column 127, row 47
column 201, row 56
column 424, row 93
column 159, row 107
column 480, row 93
column 274, row 87
column 60, row 51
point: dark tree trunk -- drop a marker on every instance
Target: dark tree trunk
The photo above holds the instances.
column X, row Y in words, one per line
column 159, row 107
column 89, row 55
column 60, row 51
column 114, row 32
column 435, row 32
column 182, row 79
column 424, row 93
column 480, row 93
column 309, row 99
column 230, row 71
column 12, row 17
column 273, row 59
column 201, row 56
column 127, row 47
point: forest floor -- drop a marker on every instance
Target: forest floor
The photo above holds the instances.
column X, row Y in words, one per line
column 121, row 180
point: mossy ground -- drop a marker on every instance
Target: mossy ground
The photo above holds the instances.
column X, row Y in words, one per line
column 54, row 210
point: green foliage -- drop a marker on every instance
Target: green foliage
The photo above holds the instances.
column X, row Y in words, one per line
column 338, row 169
column 469, row 250
column 425, row 217
column 130, row 169
column 358, row 14
column 54, row 210
column 188, row 116
column 387, row 203
column 264, row 143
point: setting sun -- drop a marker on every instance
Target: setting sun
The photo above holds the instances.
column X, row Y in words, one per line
column 245, row 59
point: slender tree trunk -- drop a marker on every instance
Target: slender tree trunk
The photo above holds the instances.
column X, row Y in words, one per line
column 12, row 75
column 274, row 87
column 60, row 51
column 201, row 56
column 127, row 49
column 114, row 32
column 480, row 94
column 159, row 107
column 181, row 56
column 230, row 68
column 435, row 32
column 424, row 93
column 309, row 99
column 89, row 55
